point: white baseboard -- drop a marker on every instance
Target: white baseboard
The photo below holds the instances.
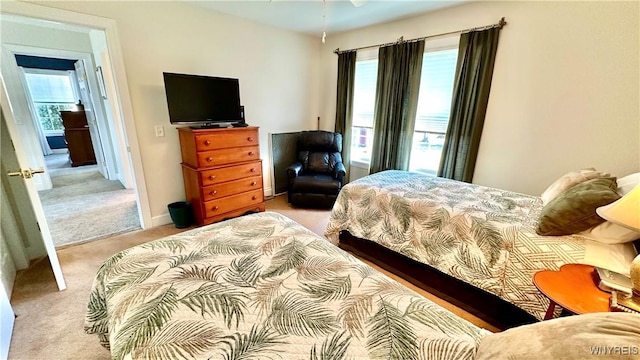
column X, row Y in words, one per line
column 161, row 219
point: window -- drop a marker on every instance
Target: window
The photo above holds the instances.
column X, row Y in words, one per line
column 51, row 91
column 434, row 107
column 364, row 100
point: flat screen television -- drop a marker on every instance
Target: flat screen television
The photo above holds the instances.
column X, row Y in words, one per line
column 203, row 101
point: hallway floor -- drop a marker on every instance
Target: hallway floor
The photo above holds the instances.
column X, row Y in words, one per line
column 83, row 205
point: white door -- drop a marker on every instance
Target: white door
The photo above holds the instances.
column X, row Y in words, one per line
column 89, row 108
column 23, row 174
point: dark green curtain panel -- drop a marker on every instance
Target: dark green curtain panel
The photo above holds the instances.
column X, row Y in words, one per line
column 344, row 104
column 399, row 68
column 476, row 57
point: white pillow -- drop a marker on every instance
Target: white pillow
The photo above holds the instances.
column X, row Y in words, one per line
column 569, row 180
column 610, row 233
column 627, row 183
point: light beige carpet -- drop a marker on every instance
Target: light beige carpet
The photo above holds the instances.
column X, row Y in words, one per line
column 49, row 323
column 80, row 198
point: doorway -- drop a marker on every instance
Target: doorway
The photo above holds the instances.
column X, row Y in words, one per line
column 78, row 146
column 109, row 53
column 105, row 80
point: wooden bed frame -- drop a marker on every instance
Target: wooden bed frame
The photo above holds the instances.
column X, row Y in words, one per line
column 486, row 306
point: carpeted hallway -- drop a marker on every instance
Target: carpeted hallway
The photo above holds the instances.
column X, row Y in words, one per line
column 49, row 323
column 80, row 196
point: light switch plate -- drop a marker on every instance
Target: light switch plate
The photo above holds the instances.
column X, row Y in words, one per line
column 159, row 130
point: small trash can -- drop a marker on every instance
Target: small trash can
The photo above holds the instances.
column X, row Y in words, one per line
column 181, row 214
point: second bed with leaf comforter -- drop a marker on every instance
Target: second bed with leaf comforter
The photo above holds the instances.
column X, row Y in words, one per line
column 263, row 287
column 483, row 237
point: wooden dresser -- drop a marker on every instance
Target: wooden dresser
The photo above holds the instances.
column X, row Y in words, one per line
column 222, row 172
column 78, row 138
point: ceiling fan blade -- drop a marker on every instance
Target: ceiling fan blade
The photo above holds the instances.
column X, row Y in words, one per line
column 358, row 3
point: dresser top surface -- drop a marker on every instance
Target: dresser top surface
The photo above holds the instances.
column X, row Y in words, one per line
column 207, row 130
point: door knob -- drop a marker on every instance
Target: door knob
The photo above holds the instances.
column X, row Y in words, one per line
column 27, row 174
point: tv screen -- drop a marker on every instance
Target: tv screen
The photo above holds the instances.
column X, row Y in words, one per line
column 202, row 99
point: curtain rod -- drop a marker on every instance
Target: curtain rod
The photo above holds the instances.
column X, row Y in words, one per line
column 500, row 25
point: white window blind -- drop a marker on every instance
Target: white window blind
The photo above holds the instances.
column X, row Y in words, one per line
column 436, row 88
column 51, row 92
column 50, row 88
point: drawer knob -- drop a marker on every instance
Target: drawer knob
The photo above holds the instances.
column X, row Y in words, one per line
column 252, row 170
column 213, row 192
column 212, row 177
column 253, row 183
column 207, row 142
column 250, row 153
column 250, row 139
column 215, row 208
column 254, row 197
column 209, row 159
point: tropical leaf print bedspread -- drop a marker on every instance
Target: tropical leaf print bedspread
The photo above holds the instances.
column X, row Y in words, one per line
column 483, row 236
column 263, row 287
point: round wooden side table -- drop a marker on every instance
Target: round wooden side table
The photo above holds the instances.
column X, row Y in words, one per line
column 573, row 288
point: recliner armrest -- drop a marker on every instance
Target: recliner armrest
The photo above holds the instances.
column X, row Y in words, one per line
column 294, row 170
column 340, row 172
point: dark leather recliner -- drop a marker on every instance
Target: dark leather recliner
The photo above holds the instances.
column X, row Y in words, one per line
column 318, row 175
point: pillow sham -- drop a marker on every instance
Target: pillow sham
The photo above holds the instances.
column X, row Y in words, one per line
column 571, row 337
column 569, row 180
column 610, row 233
column 574, row 210
column 627, row 183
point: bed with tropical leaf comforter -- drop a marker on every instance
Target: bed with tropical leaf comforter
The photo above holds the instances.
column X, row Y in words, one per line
column 483, row 236
column 263, row 287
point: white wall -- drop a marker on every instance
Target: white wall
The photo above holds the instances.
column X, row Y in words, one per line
column 111, row 108
column 565, row 90
column 277, row 71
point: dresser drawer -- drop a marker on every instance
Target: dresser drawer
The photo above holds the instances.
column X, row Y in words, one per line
column 228, row 156
column 245, row 137
column 229, row 173
column 231, row 187
column 233, row 202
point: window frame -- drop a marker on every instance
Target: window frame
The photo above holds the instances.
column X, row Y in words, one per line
column 444, row 44
column 363, row 55
column 431, row 45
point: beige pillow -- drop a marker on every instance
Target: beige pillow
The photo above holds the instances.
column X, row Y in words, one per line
column 610, row 233
column 574, row 210
column 569, row 180
column 589, row 336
